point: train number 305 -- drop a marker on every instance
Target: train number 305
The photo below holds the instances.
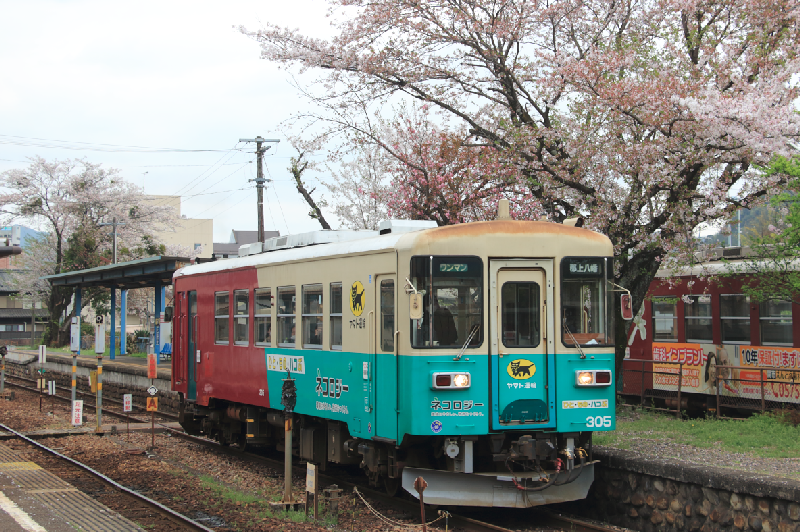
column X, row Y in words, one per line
column 598, row 421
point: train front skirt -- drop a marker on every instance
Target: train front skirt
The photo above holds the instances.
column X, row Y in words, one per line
column 496, row 489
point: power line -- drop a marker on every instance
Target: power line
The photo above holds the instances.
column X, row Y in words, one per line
column 269, row 209
column 184, row 198
column 194, row 182
column 92, row 146
column 168, row 165
column 275, row 191
column 217, row 203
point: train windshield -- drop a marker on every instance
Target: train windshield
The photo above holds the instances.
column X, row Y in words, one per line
column 452, row 298
column 587, row 309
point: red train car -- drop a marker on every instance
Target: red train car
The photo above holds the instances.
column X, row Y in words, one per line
column 692, row 323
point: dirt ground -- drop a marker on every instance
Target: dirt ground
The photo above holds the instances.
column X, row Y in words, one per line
column 222, row 492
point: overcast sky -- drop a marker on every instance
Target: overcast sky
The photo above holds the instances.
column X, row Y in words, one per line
column 166, row 74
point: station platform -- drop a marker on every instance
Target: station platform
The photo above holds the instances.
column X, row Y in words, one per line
column 25, row 356
column 34, row 500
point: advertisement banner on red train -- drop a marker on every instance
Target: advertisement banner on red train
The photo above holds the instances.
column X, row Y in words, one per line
column 781, row 373
column 699, row 367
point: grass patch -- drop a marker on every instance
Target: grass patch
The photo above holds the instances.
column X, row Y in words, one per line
column 66, row 351
column 762, row 435
column 62, row 350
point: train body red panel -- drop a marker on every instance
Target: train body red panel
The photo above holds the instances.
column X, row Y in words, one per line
column 233, row 372
column 704, row 322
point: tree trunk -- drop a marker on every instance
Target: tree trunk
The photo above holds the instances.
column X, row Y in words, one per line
column 636, row 275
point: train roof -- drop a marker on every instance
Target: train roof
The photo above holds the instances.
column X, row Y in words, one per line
column 321, row 244
column 734, row 266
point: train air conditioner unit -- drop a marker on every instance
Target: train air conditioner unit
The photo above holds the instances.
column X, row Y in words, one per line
column 304, row 239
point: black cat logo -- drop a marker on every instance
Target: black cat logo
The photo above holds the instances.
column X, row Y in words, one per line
column 357, row 298
column 521, row 369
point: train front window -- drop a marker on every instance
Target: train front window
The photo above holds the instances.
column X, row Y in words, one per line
column 452, row 298
column 520, row 314
column 587, row 315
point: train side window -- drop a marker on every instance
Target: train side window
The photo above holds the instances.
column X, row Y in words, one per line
column 262, row 316
column 665, row 319
column 697, row 318
column 776, row 323
column 312, row 316
column 387, row 315
column 241, row 313
column 287, row 310
column 734, row 313
column 336, row 316
column 222, row 314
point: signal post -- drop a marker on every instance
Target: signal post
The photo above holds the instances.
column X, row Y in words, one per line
column 99, row 349
column 3, row 353
column 152, row 401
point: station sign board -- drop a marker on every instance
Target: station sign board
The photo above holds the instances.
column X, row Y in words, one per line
column 152, row 404
column 152, row 367
column 77, row 413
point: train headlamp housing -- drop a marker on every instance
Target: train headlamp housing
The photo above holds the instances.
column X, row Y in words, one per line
column 593, row 378
column 451, row 380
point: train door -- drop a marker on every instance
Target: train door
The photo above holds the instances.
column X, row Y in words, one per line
column 179, row 339
column 385, row 358
column 522, row 331
column 191, row 352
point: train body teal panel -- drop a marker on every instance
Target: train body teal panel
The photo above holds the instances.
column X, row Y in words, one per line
column 330, row 384
column 589, row 408
column 522, row 398
column 429, row 412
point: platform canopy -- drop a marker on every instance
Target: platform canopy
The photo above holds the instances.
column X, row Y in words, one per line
column 140, row 273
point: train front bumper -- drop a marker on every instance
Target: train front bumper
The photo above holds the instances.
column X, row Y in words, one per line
column 495, row 489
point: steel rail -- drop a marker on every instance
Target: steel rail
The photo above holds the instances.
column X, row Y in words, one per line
column 469, row 523
column 86, row 405
column 167, row 512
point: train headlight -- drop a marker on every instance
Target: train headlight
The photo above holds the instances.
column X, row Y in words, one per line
column 593, row 378
column 461, row 380
column 450, row 380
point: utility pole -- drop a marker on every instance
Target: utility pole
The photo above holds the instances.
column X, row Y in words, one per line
column 114, row 223
column 113, row 342
column 260, row 179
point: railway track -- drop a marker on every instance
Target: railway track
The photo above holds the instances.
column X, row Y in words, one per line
column 90, row 405
column 471, row 520
column 128, row 503
column 481, row 520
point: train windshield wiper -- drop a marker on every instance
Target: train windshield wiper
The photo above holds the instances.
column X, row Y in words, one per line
column 469, row 339
column 574, row 341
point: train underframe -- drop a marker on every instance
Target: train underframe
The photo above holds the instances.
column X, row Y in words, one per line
column 508, row 469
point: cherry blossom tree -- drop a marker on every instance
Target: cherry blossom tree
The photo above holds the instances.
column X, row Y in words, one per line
column 360, row 188
column 68, row 199
column 773, row 268
column 438, row 174
column 646, row 117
